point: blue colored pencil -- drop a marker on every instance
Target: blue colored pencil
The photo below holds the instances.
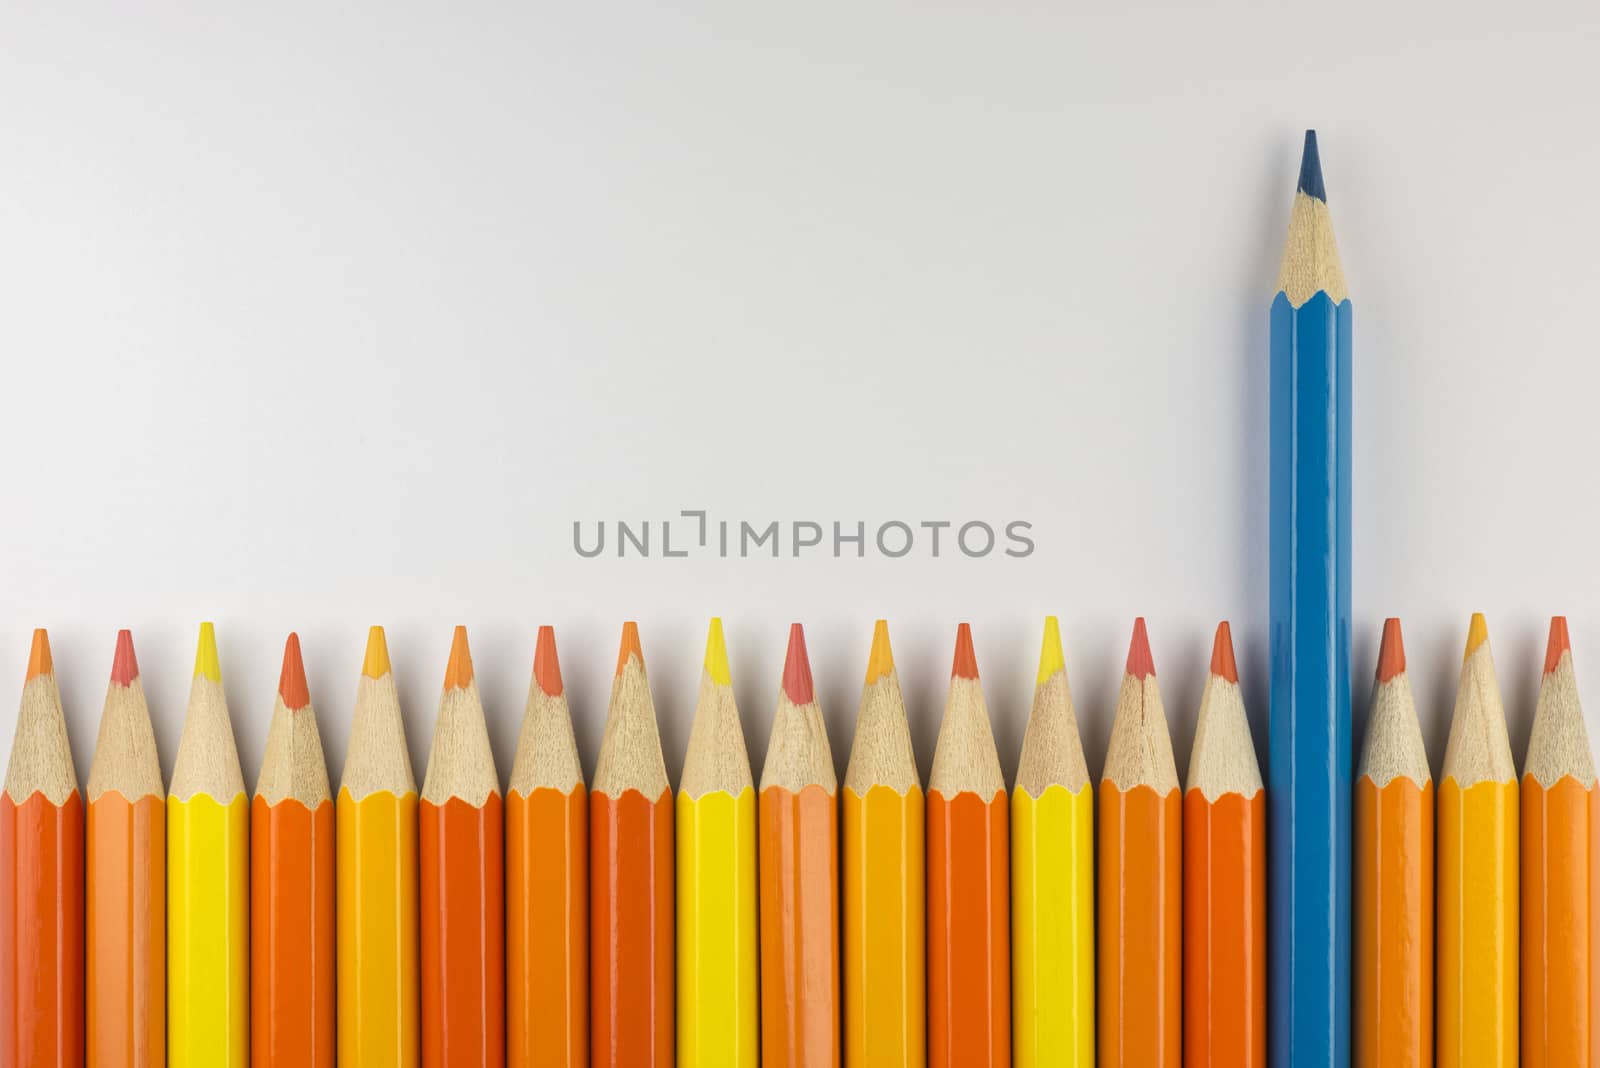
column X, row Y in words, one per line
column 1309, row 749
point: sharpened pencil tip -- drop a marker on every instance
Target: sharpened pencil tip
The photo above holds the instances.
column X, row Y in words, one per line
column 1141, row 665
column 880, row 661
column 630, row 646
column 458, row 669
column 1051, row 659
column 124, row 665
column 292, row 688
column 1222, row 664
column 1559, row 643
column 717, row 654
column 1477, row 634
column 1391, row 652
column 546, row 665
column 797, row 668
column 1311, row 170
column 39, row 662
column 375, row 665
column 206, row 664
column 965, row 665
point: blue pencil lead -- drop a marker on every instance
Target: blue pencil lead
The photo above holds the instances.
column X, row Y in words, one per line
column 1311, row 170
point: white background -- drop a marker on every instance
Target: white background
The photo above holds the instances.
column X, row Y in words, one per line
column 313, row 317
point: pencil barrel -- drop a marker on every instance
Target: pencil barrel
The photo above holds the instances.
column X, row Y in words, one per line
column 1052, row 924
column 461, row 858
column 1139, row 847
column 126, row 939
column 547, row 928
column 1478, row 925
column 885, row 900
column 631, row 930
column 292, row 934
column 1560, row 923
column 41, row 932
column 1394, row 900
column 1224, row 931
column 1309, row 767
column 969, row 931
column 719, row 1000
column 208, row 932
column 378, row 950
column 800, row 996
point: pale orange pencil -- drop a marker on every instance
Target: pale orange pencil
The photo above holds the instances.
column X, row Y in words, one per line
column 1560, row 875
column 798, row 843
column 127, row 879
column 547, row 880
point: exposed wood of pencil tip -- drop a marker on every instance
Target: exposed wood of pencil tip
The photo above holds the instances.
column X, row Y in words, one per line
column 125, row 759
column 1223, row 757
column 716, row 758
column 1479, row 749
column 882, row 754
column 293, row 767
column 377, row 760
column 461, row 762
column 1311, row 255
column 630, row 749
column 41, row 758
column 547, row 749
column 208, row 758
column 1140, row 750
column 1559, row 743
column 1052, row 748
column 965, row 759
column 1393, row 748
column 798, row 754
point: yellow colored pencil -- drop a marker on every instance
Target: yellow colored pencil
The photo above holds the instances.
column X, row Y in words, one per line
column 208, row 883
column 885, row 878
column 1477, row 880
column 375, row 843
column 1052, row 878
column 719, row 994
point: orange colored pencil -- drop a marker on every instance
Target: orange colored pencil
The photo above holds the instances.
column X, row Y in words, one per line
column 1560, row 875
column 1139, row 882
column 1224, row 880
column 798, row 845
column 41, row 883
column 1393, row 878
column 547, row 880
column 631, row 876
column 291, row 886
column 461, row 858
column 126, row 905
column 969, row 881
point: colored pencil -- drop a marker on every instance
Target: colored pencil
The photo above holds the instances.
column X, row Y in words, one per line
column 1560, row 874
column 719, row 1002
column 1052, row 878
column 208, row 882
column 291, row 886
column 631, row 922
column 376, row 849
column 547, row 880
column 1394, row 844
column 799, row 845
column 969, row 881
column 1308, row 734
column 1478, row 874
column 41, row 883
column 1224, row 880
column 461, row 857
column 125, row 903
column 1139, row 878
column 885, row 878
